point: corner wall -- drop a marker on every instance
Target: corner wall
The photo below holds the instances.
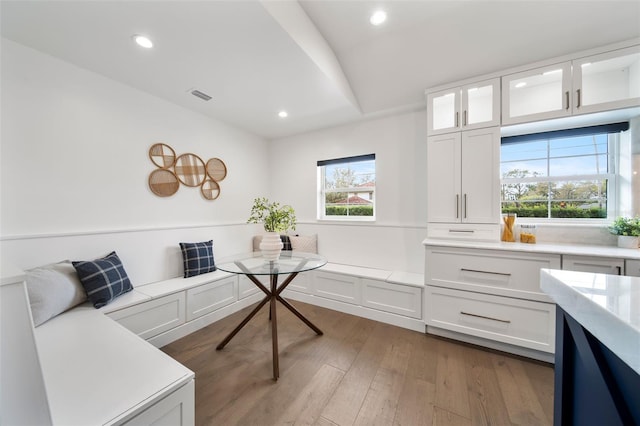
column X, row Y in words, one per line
column 74, row 168
column 394, row 240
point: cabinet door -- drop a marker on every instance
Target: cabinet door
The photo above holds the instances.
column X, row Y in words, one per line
column 443, row 111
column 480, row 189
column 608, row 81
column 538, row 94
column 597, row 265
column 481, row 104
column 443, row 178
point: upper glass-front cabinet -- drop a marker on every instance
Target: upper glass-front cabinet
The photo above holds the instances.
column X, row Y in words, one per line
column 464, row 108
column 537, row 94
column 597, row 83
column 607, row 81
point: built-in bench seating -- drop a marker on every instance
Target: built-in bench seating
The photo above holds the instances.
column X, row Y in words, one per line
column 126, row 387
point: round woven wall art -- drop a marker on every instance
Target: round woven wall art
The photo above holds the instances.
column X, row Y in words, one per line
column 190, row 170
column 163, row 182
column 210, row 189
column 216, row 169
column 162, row 155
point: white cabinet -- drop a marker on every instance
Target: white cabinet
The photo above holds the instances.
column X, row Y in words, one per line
column 463, row 177
column 632, row 268
column 596, row 83
column 344, row 288
column 501, row 273
column 537, row 94
column 598, row 265
column 490, row 294
column 517, row 322
column 210, row 297
column 607, row 81
column 393, row 298
column 464, row 108
column 153, row 317
column 176, row 409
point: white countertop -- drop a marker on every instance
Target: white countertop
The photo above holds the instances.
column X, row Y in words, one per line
column 555, row 248
column 608, row 306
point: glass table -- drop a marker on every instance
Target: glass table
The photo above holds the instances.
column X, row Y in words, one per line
column 253, row 265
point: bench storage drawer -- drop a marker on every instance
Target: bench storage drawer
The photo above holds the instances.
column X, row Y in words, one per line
column 343, row 288
column 489, row 271
column 153, row 317
column 393, row 298
column 210, row 297
column 515, row 321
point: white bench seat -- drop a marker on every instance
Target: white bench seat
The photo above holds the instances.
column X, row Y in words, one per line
column 89, row 360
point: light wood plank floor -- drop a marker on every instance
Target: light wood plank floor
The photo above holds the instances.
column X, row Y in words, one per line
column 360, row 372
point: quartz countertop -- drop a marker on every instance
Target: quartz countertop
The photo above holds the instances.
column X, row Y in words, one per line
column 554, row 248
column 608, row 306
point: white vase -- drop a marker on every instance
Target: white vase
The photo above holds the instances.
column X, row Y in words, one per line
column 625, row 241
column 271, row 246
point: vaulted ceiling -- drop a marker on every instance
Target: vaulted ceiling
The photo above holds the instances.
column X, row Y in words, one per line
column 320, row 60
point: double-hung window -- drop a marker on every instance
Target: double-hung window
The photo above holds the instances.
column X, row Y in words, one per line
column 347, row 188
column 568, row 174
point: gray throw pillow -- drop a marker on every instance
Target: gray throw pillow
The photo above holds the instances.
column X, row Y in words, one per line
column 52, row 290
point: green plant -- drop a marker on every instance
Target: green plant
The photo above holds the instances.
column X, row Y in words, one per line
column 628, row 226
column 274, row 217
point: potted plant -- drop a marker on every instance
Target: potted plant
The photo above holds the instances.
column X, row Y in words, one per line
column 275, row 219
column 627, row 229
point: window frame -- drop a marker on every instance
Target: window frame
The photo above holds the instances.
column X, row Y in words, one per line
column 613, row 176
column 322, row 191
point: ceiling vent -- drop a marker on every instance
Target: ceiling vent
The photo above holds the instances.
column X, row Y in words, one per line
column 200, row 95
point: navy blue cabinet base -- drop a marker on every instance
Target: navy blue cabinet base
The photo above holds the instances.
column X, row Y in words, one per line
column 592, row 385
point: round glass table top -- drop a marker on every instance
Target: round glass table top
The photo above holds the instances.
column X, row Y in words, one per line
column 254, row 264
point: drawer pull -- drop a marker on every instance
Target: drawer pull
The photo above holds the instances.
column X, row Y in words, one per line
column 469, row 231
column 485, row 272
column 482, row 316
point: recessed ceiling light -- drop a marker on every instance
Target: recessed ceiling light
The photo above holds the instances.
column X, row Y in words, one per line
column 378, row 17
column 143, row 41
column 521, row 84
column 283, row 114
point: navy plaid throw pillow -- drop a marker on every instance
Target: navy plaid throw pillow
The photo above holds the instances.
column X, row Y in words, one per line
column 197, row 258
column 103, row 279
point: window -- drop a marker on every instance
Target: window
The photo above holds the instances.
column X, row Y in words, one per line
column 347, row 188
column 569, row 174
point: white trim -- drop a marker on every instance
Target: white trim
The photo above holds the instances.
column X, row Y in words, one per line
column 114, row 231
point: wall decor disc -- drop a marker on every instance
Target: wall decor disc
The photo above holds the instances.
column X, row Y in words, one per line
column 163, row 182
column 190, row 170
column 162, row 155
column 216, row 169
column 210, row 189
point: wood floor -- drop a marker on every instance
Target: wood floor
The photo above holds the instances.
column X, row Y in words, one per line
column 360, row 372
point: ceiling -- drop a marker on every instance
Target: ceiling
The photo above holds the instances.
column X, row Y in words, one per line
column 320, row 60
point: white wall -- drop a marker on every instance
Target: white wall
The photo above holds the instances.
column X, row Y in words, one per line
column 393, row 241
column 74, row 160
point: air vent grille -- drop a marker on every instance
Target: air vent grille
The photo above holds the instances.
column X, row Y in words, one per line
column 201, row 95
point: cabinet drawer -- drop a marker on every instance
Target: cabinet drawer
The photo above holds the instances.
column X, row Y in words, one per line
column 489, row 271
column 302, row 283
column 210, row 297
column 514, row 321
column 632, row 268
column 597, row 265
column 394, row 298
column 344, row 288
column 154, row 317
column 246, row 288
column 466, row 231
